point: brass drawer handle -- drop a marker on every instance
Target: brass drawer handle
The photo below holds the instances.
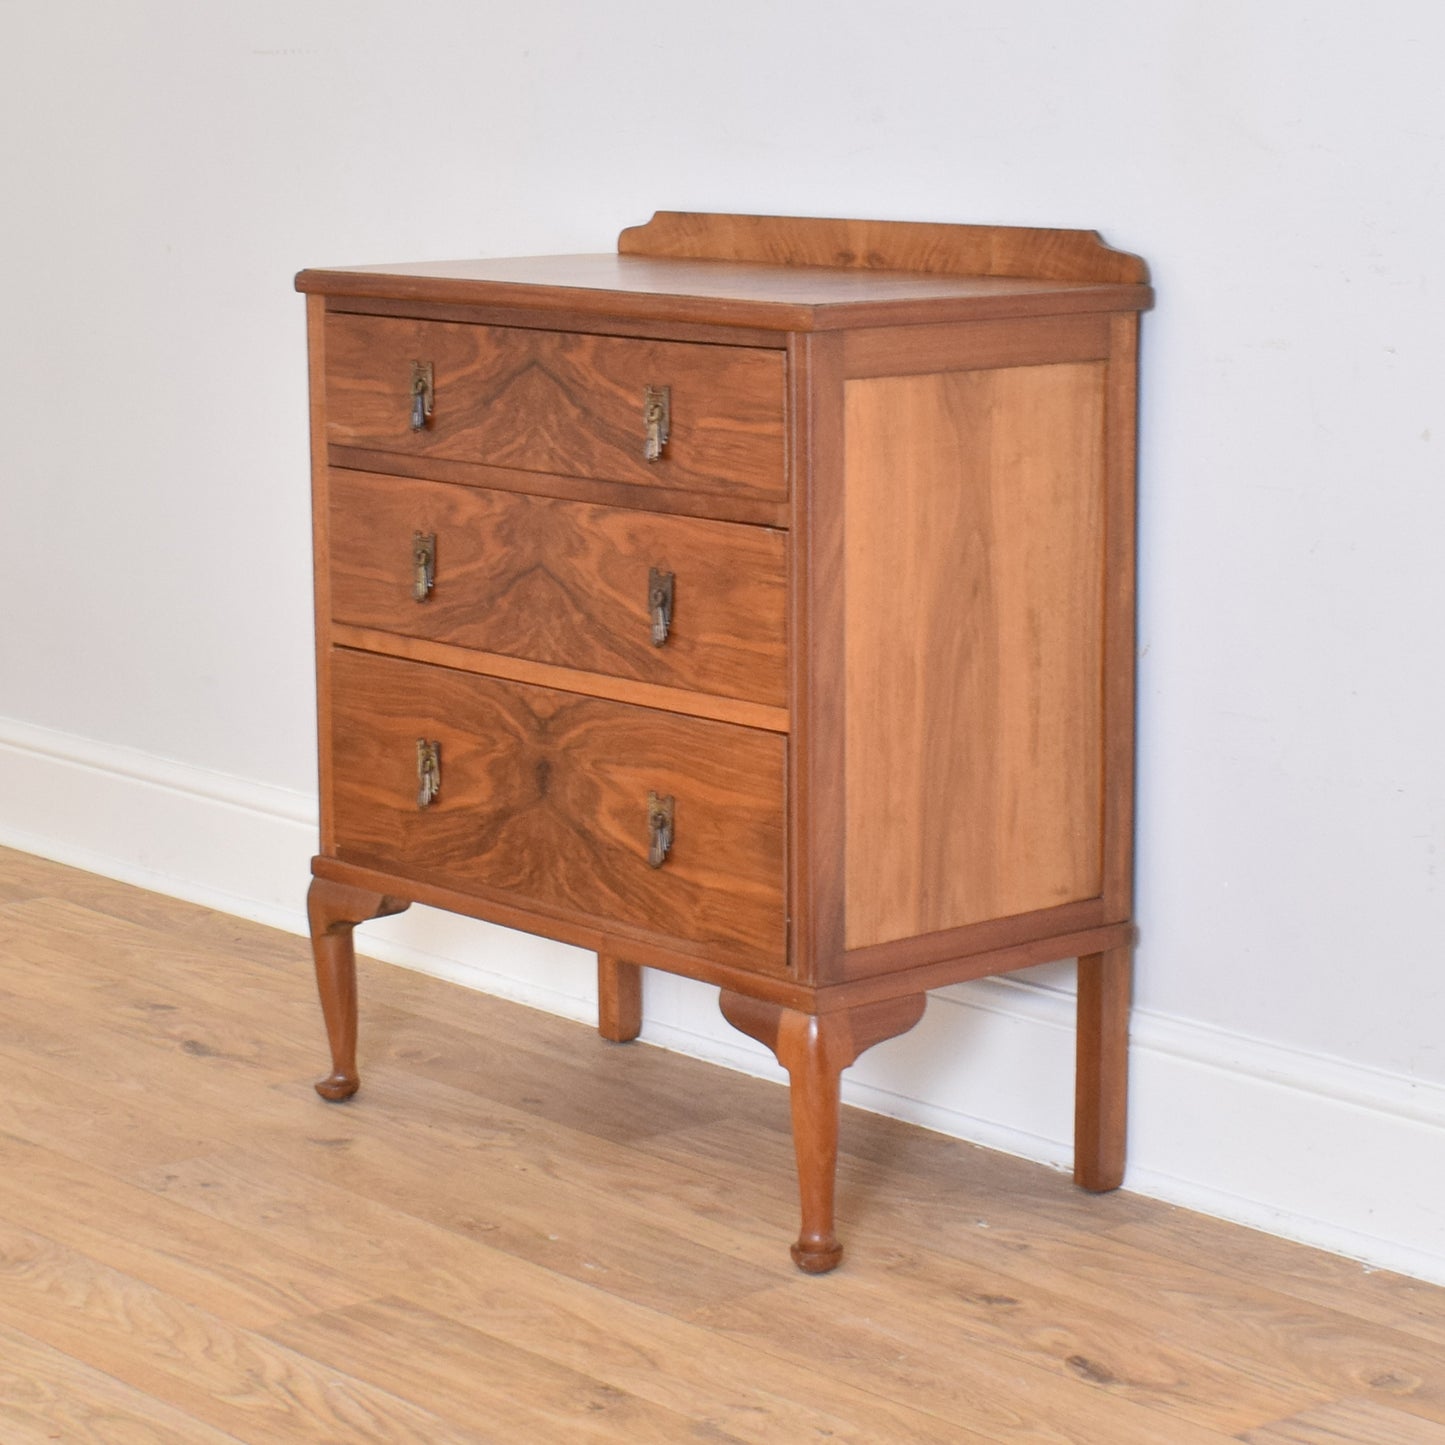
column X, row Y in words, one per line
column 659, row 828
column 423, row 564
column 659, row 603
column 656, row 420
column 423, row 394
column 428, row 772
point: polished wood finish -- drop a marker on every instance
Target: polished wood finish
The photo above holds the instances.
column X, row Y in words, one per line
column 582, row 322
column 573, row 292
column 917, row 246
column 619, row 999
column 893, row 710
column 693, row 961
column 1101, row 1074
column 568, row 403
column 564, row 583
column 713, row 505
column 816, row 796
column 974, row 598
column 565, row 679
column 1120, row 570
column 333, row 911
column 320, row 548
column 527, row 1234
column 973, row 345
column 544, row 799
column 815, row 1049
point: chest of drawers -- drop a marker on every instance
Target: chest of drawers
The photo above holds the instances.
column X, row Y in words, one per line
column 755, row 604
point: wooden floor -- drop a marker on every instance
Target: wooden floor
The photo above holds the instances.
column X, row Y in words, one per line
column 520, row 1233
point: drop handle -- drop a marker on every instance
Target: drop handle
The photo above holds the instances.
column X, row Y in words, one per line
column 659, row 603
column 423, row 564
column 428, row 772
column 660, row 812
column 423, row 394
column 656, row 420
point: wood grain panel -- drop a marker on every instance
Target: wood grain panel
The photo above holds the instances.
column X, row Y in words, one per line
column 974, row 600
column 930, row 247
column 544, row 799
column 975, row 938
column 547, row 401
column 561, row 292
column 1120, row 628
column 523, row 315
column 982, row 345
column 647, row 949
column 564, row 583
column 815, row 369
column 566, row 679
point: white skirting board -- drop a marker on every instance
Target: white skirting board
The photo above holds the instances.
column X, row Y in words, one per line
column 1312, row 1148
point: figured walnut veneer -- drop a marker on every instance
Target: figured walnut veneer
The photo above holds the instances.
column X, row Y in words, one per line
column 558, row 582
column 555, row 402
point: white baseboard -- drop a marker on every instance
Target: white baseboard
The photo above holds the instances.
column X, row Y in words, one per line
column 211, row 838
column 1312, row 1148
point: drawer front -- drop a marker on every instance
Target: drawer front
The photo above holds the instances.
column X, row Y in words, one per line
column 566, row 583
column 548, row 401
column 543, row 800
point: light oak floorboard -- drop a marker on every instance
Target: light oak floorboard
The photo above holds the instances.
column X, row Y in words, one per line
column 1349, row 1422
column 1308, row 1275
column 1189, row 1316
column 47, row 1395
column 520, row 1232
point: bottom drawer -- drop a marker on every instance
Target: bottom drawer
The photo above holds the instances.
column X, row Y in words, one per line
column 543, row 798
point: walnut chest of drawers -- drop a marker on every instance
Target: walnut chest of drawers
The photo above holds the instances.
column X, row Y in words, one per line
column 755, row 604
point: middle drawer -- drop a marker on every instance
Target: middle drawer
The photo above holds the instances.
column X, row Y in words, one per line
column 679, row 601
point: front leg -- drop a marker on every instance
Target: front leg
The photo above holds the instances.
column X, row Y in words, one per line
column 815, row 1049
column 333, row 910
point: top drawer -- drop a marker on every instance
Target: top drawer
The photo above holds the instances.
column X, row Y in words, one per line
column 549, row 401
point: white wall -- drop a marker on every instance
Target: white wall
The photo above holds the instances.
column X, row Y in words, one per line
column 168, row 166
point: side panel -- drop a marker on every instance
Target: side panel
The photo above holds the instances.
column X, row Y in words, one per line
column 974, row 599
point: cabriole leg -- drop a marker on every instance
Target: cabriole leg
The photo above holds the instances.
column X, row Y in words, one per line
column 815, row 1049
column 333, row 910
column 1101, row 1084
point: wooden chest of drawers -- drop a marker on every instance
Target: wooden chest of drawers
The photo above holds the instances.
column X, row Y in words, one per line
column 755, row 604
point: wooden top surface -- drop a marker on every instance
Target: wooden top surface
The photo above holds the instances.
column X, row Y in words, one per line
column 788, row 298
column 782, row 273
